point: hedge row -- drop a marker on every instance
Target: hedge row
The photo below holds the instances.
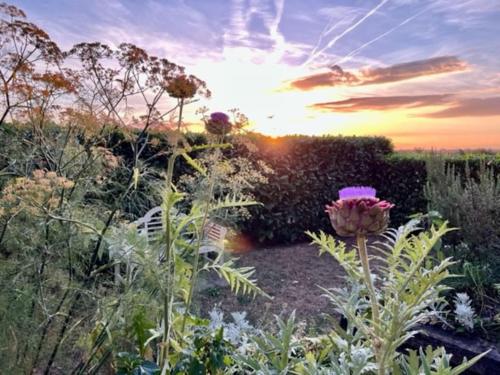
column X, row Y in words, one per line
column 309, row 171
column 312, row 171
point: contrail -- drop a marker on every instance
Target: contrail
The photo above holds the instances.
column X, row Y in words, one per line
column 329, row 27
column 345, row 32
column 355, row 52
column 322, row 35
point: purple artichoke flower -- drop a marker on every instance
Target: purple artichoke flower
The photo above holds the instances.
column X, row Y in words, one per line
column 219, row 117
column 359, row 212
column 218, row 124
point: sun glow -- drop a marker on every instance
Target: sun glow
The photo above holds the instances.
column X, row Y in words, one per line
column 258, row 83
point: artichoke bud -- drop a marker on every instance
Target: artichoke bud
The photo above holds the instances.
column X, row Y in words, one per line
column 359, row 211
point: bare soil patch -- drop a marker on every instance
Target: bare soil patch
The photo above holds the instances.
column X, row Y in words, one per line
column 292, row 275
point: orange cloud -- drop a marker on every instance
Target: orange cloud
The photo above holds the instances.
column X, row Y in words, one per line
column 382, row 103
column 394, row 73
column 335, row 77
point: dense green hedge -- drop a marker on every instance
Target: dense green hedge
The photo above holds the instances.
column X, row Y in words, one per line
column 309, row 171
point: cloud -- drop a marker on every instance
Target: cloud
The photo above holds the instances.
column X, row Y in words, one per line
column 477, row 107
column 335, row 77
column 394, row 73
column 401, row 72
column 378, row 103
column 455, row 107
column 255, row 27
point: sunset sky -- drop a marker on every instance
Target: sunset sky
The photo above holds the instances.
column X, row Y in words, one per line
column 425, row 73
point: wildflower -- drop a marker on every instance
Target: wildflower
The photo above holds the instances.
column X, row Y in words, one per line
column 218, row 124
column 34, row 195
column 38, row 173
column 359, row 212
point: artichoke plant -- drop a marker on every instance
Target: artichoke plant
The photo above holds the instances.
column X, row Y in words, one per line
column 357, row 213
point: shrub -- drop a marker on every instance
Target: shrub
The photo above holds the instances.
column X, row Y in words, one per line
column 470, row 200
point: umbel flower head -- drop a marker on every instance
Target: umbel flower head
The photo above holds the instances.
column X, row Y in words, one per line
column 359, row 212
column 182, row 87
column 218, row 124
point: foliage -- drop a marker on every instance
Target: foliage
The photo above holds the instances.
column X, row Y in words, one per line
column 274, row 354
column 74, row 272
column 464, row 313
column 237, row 332
column 301, row 174
column 432, row 361
column 306, row 172
column 406, row 288
column 469, row 197
column 470, row 201
column 84, row 292
column 133, row 364
column 207, row 354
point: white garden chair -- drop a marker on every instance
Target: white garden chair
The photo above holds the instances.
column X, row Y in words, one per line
column 151, row 226
column 213, row 238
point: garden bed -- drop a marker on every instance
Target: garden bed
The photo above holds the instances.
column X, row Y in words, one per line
column 460, row 346
column 292, row 275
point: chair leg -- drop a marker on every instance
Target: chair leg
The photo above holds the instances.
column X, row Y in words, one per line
column 117, row 273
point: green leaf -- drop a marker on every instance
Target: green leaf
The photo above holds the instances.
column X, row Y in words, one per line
column 194, row 164
column 238, row 278
column 467, row 364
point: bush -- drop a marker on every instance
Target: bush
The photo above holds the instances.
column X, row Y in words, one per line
column 470, row 199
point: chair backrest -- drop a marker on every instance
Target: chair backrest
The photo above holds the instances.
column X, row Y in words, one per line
column 151, row 224
column 213, row 238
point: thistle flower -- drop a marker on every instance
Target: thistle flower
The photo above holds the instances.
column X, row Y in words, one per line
column 218, row 124
column 359, row 212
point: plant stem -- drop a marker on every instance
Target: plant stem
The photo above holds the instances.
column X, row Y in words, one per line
column 169, row 292
column 196, row 261
column 181, row 107
column 363, row 255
